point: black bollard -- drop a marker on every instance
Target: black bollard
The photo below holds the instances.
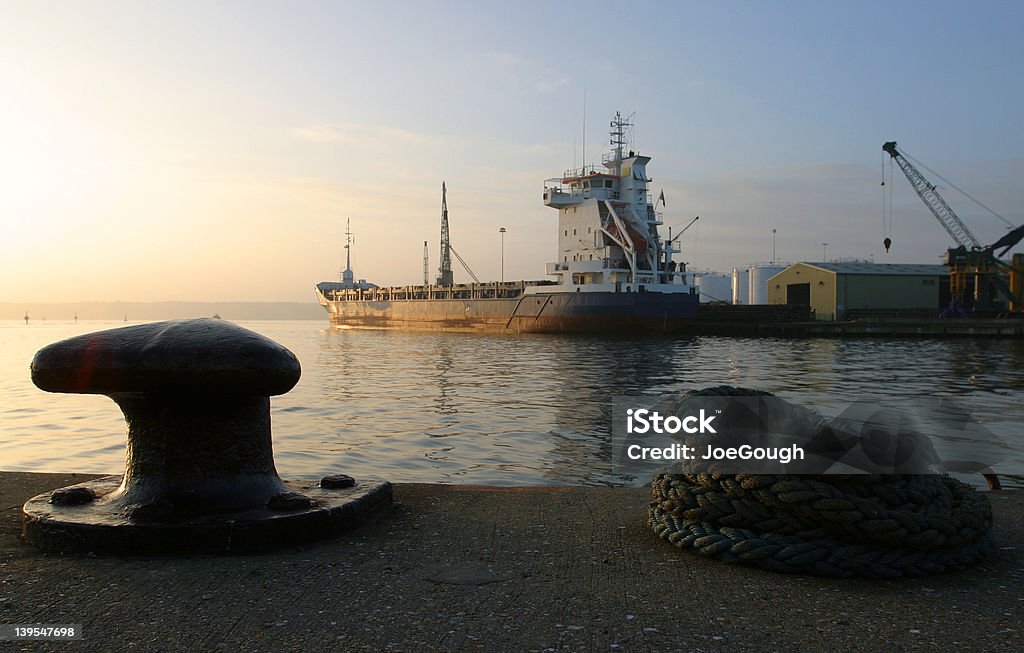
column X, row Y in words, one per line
column 200, row 472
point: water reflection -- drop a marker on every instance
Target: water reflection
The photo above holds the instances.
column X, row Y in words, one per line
column 537, row 409
column 511, row 410
column 445, row 400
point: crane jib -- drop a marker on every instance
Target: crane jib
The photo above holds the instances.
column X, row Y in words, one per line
column 926, row 191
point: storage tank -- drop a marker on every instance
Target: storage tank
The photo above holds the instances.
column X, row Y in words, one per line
column 714, row 287
column 759, row 275
column 740, row 286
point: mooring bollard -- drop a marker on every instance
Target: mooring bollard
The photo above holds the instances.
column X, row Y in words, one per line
column 200, row 472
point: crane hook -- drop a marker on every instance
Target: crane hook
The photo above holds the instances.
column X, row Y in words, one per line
column 887, row 242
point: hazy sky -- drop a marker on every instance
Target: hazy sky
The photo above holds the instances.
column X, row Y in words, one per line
column 212, row 151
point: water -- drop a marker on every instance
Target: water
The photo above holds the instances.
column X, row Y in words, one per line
column 506, row 410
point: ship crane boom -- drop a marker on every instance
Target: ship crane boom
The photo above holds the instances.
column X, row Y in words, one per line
column 464, row 264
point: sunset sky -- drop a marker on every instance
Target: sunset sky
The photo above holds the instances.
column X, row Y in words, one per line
column 212, row 151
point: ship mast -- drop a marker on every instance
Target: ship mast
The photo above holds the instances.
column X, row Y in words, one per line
column 444, row 277
column 619, row 139
column 426, row 264
column 346, row 274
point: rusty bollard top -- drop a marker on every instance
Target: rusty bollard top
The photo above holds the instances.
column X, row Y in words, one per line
column 180, row 356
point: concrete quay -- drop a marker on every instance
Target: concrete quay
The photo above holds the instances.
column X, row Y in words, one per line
column 863, row 328
column 461, row 568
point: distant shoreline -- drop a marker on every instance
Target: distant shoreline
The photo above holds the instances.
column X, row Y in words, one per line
column 136, row 311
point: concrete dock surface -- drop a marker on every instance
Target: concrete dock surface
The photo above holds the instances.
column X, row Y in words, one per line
column 460, row 568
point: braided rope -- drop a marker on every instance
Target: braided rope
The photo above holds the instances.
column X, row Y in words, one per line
column 877, row 526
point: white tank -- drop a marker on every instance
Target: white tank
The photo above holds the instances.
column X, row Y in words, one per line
column 714, row 287
column 740, row 285
column 759, row 275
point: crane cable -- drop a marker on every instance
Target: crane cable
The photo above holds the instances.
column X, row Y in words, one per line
column 958, row 189
column 886, row 216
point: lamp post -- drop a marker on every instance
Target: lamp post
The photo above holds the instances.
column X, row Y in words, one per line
column 502, row 232
column 823, row 250
column 773, row 247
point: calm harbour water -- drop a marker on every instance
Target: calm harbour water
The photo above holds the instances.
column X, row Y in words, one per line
column 507, row 410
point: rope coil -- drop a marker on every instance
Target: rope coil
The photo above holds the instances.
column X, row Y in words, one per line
column 875, row 526
column 878, row 527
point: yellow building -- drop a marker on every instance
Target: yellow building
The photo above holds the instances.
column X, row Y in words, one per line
column 841, row 291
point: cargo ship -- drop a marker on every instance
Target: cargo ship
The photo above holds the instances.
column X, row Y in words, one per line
column 614, row 272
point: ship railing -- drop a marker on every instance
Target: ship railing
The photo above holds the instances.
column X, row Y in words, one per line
column 573, row 173
column 579, row 193
column 615, row 265
column 492, row 290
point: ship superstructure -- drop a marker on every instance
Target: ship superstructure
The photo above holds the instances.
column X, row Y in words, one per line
column 608, row 227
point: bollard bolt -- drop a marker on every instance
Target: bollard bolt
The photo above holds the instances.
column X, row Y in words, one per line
column 337, row 481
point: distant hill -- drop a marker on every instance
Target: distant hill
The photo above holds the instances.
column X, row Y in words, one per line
column 136, row 311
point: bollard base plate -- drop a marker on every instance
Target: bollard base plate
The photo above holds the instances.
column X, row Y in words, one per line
column 100, row 528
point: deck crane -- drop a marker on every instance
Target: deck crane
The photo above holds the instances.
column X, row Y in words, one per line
column 444, row 272
column 979, row 280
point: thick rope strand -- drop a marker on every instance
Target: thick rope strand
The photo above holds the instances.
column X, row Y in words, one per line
column 872, row 526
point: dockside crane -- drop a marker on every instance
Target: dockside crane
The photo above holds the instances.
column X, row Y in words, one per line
column 979, row 280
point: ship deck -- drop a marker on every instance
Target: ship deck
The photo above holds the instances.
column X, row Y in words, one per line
column 492, row 290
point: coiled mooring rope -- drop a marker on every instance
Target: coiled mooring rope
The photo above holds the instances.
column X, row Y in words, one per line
column 877, row 526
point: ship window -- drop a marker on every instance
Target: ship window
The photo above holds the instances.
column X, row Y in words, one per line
column 586, row 184
column 566, row 232
column 588, row 230
column 607, row 183
column 574, row 209
column 573, row 232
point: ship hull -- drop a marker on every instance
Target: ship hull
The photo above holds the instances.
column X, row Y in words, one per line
column 592, row 312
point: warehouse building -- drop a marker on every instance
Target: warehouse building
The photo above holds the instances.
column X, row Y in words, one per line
column 846, row 291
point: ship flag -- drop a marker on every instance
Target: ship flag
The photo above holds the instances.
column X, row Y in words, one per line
column 661, row 197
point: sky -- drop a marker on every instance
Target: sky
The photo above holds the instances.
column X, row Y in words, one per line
column 186, row 150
